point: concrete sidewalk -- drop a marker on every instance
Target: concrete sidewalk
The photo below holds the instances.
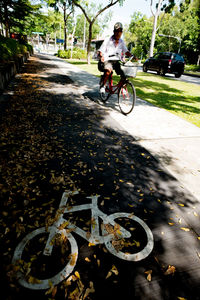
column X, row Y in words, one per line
column 174, row 141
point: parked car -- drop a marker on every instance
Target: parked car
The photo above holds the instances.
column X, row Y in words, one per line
column 165, row 62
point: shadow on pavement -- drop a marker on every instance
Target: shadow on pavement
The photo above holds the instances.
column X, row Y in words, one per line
column 52, row 142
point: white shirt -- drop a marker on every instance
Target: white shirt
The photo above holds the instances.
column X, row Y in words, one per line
column 109, row 48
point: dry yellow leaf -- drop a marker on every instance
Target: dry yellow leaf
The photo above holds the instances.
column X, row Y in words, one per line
column 87, row 259
column 33, row 280
column 170, row 270
column 180, row 204
column 98, row 262
column 109, row 274
column 114, row 270
column 181, row 298
column 73, row 259
column 198, row 237
column 89, row 290
column 77, row 274
column 91, row 244
column 171, row 224
column 185, row 229
column 149, row 277
column 148, row 272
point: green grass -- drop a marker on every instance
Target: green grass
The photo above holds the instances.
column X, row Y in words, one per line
column 178, row 97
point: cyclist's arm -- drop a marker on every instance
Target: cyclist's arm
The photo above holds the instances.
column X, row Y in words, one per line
column 100, row 55
column 129, row 54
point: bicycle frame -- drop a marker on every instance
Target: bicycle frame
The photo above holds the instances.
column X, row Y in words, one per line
column 114, row 89
column 96, row 213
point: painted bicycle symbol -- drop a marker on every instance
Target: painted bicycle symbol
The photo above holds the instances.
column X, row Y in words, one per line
column 106, row 237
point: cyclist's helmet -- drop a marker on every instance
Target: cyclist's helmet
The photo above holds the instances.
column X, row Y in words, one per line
column 118, row 26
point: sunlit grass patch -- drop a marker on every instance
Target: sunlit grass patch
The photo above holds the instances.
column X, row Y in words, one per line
column 178, row 97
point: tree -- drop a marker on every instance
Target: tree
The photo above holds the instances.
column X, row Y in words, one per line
column 138, row 35
column 68, row 9
column 91, row 19
column 12, row 12
column 82, row 27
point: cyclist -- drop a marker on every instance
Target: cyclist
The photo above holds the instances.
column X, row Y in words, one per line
column 113, row 46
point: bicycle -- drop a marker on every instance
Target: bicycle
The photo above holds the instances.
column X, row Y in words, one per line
column 124, row 88
column 108, row 237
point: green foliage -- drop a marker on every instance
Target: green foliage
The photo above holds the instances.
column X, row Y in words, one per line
column 181, row 23
column 14, row 12
column 139, row 34
column 77, row 53
column 193, row 68
column 10, row 48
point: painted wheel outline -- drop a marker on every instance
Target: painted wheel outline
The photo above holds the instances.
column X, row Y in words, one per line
column 56, row 279
column 136, row 256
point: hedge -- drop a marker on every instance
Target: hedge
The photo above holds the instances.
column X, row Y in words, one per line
column 76, row 53
column 9, row 48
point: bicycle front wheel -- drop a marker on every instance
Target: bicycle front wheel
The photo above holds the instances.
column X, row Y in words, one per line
column 137, row 246
column 127, row 97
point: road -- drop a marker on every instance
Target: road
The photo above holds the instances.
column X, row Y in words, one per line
column 185, row 78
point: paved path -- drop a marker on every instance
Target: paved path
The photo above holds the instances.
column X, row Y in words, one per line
column 174, row 141
column 56, row 136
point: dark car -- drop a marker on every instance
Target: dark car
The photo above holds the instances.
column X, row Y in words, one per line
column 165, row 62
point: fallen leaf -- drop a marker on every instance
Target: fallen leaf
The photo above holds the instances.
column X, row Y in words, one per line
column 87, row 259
column 33, row 280
column 77, row 275
column 98, row 262
column 149, row 277
column 91, row 244
column 149, row 272
column 185, row 229
column 89, row 290
column 170, row 270
column 73, row 259
column 114, row 270
column 109, row 274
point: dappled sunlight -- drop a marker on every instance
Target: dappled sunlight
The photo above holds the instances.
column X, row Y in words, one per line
column 57, row 141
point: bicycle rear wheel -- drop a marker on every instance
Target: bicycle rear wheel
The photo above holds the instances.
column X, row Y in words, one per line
column 126, row 97
column 104, row 96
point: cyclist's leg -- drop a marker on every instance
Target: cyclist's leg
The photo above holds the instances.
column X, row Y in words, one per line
column 118, row 70
column 108, row 68
column 104, row 82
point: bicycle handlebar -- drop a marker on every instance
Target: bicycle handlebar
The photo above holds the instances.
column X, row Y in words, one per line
column 118, row 58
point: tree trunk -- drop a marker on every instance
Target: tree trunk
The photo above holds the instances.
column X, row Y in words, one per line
column 6, row 23
column 153, row 36
column 89, row 42
column 65, row 25
column 76, row 3
column 74, row 29
column 198, row 61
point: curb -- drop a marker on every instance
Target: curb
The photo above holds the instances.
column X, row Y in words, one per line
column 192, row 75
column 9, row 69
